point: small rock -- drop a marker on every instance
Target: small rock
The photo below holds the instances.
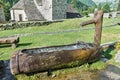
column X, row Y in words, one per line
column 44, row 74
column 53, row 76
column 8, row 78
column 104, row 59
column 117, row 57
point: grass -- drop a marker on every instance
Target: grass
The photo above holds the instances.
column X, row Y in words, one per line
column 67, row 24
column 109, row 34
column 62, row 73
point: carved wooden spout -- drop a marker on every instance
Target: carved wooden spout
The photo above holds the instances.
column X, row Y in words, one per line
column 97, row 20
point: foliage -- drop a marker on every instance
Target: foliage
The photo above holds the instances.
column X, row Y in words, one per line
column 1, row 2
column 7, row 5
column 99, row 7
column 91, row 9
column 106, row 8
column 7, row 11
column 83, row 6
column 108, row 53
column 11, row 2
column 118, row 6
column 117, row 46
column 85, row 13
column 89, row 3
column 97, row 65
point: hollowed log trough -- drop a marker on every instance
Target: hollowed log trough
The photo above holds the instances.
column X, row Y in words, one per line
column 10, row 40
column 54, row 57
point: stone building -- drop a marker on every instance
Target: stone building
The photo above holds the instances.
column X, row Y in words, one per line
column 2, row 16
column 32, row 10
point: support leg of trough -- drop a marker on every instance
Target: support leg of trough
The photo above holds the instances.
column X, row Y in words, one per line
column 14, row 45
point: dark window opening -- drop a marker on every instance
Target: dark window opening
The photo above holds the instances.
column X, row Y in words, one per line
column 20, row 17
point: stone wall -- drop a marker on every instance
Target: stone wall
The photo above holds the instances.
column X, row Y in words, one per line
column 59, row 8
column 15, row 25
column 115, row 14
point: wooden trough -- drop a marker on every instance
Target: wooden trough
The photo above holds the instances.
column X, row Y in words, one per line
column 10, row 40
column 54, row 57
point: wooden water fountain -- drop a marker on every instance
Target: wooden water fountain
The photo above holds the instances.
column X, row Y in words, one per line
column 54, row 57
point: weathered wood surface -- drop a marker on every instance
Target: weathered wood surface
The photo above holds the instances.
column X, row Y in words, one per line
column 10, row 40
column 46, row 58
column 39, row 59
column 98, row 21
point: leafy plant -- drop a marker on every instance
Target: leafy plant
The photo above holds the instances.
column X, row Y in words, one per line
column 117, row 46
column 106, row 8
column 83, row 6
column 7, row 5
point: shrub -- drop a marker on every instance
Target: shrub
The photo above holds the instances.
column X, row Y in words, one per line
column 117, row 46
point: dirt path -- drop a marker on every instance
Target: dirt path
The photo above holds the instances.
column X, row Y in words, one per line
column 112, row 73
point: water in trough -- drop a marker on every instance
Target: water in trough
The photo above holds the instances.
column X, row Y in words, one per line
column 79, row 45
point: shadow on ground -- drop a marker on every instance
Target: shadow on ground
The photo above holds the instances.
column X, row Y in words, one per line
column 24, row 44
column 106, row 52
column 19, row 45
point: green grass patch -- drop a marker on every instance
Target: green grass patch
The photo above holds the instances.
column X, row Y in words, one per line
column 110, row 53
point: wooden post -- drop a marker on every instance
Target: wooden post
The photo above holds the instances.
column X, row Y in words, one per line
column 97, row 20
column 14, row 45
